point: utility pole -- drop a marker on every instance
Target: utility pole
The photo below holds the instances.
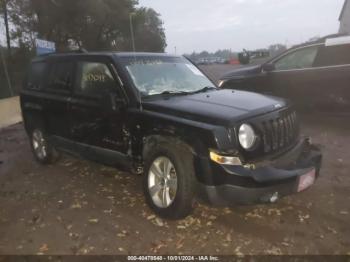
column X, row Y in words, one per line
column 132, row 33
column 6, row 21
column 175, row 50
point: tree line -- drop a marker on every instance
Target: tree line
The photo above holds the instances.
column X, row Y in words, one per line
column 92, row 24
column 95, row 25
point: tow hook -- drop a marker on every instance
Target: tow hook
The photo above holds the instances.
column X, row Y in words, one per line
column 270, row 198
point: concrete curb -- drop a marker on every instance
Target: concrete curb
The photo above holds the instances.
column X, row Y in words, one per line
column 10, row 112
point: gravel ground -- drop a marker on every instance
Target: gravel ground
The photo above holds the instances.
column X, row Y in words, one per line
column 80, row 207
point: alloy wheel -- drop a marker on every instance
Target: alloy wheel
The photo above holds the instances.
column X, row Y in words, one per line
column 162, row 182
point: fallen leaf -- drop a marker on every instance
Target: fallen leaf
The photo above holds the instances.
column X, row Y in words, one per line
column 43, row 248
column 274, row 251
column 159, row 222
column 332, row 230
column 151, row 217
column 76, row 206
column 238, row 251
column 180, row 243
column 93, row 221
column 227, row 211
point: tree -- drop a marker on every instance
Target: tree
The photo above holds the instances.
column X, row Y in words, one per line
column 92, row 24
column 149, row 33
column 276, row 49
column 4, row 12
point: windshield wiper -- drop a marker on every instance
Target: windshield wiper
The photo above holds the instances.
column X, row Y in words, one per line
column 174, row 93
column 204, row 89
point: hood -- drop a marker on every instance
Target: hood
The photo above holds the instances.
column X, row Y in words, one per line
column 243, row 72
column 218, row 107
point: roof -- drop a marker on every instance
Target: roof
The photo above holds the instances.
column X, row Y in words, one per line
column 320, row 41
column 343, row 9
column 117, row 54
column 140, row 54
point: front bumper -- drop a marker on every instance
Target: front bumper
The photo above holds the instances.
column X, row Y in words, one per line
column 263, row 181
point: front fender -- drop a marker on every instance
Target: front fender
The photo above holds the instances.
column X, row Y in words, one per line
column 200, row 136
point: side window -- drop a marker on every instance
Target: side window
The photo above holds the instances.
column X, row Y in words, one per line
column 61, row 75
column 36, row 75
column 333, row 55
column 93, row 78
column 299, row 59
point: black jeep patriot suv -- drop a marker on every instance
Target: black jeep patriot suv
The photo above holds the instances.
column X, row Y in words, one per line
column 161, row 116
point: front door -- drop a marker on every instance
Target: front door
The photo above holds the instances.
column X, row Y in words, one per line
column 97, row 119
column 294, row 76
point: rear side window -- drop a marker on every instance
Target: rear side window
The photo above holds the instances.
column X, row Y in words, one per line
column 36, row 75
column 94, row 78
column 333, row 55
column 61, row 76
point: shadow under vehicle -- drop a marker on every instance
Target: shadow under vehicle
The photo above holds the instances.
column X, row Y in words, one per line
column 160, row 116
column 314, row 75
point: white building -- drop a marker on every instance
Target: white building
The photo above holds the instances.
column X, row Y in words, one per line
column 344, row 18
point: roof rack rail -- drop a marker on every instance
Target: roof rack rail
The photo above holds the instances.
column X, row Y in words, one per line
column 320, row 40
column 78, row 51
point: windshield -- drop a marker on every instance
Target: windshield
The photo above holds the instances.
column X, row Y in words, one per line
column 159, row 75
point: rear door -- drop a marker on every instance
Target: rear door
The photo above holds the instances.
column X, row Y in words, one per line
column 97, row 115
column 56, row 95
column 333, row 65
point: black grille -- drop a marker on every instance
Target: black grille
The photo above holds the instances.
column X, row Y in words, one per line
column 279, row 133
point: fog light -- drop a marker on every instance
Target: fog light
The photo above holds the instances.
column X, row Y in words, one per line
column 225, row 160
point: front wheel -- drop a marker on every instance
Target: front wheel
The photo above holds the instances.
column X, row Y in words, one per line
column 169, row 181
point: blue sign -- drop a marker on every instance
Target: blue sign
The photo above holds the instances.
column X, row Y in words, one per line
column 44, row 47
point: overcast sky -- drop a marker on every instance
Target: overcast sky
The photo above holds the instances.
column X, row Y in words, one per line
column 196, row 25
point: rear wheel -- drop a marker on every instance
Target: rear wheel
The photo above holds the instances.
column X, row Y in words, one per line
column 169, row 181
column 44, row 153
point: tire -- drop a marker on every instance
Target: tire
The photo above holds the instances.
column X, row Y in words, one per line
column 181, row 160
column 43, row 152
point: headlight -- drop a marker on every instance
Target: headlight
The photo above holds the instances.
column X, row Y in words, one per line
column 247, row 137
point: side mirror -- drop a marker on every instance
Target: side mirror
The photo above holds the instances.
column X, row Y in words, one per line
column 268, row 67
